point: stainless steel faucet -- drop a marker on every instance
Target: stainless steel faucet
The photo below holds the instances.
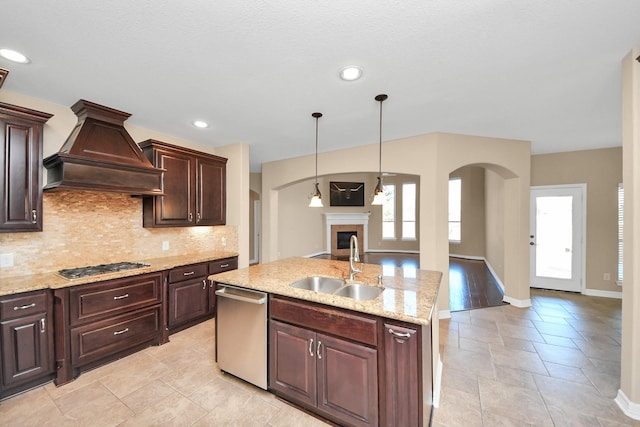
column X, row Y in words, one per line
column 354, row 256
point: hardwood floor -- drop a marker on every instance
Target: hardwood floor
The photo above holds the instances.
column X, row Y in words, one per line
column 471, row 284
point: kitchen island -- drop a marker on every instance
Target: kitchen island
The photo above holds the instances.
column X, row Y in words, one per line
column 354, row 362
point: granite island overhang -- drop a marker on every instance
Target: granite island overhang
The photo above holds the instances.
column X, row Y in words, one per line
column 409, row 294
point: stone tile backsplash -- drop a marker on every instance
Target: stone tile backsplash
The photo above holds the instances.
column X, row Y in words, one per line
column 87, row 228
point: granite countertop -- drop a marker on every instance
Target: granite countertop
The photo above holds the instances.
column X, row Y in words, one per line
column 409, row 294
column 34, row 282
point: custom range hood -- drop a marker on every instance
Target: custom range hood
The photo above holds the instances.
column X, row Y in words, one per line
column 101, row 155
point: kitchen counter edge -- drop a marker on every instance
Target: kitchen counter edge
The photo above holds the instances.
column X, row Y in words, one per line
column 35, row 282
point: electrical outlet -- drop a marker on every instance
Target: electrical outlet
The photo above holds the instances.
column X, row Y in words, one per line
column 607, row 276
column 165, row 245
column 6, row 260
column 224, row 241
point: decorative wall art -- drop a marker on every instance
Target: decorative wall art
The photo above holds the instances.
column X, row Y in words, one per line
column 347, row 193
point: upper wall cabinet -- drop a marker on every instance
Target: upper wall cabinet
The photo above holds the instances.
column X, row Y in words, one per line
column 194, row 187
column 21, row 163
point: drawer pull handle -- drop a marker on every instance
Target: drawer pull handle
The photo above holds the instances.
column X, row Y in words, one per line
column 399, row 334
column 43, row 326
column 121, row 332
column 318, row 350
column 311, row 347
column 121, row 297
column 24, row 307
column 189, row 273
column 224, row 265
column 204, row 284
column 34, row 216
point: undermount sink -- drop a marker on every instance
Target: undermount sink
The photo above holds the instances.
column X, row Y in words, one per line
column 339, row 287
column 324, row 285
column 359, row 291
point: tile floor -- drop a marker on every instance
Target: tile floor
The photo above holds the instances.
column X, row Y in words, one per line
column 554, row 364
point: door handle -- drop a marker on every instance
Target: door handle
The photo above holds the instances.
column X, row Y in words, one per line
column 311, row 347
column 318, row 350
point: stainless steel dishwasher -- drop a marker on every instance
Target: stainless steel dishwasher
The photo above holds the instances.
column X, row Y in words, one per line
column 241, row 329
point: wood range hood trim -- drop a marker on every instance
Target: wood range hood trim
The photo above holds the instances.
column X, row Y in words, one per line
column 100, row 155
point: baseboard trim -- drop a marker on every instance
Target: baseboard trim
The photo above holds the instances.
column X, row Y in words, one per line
column 474, row 257
column 444, row 314
column 395, row 251
column 313, row 255
column 603, row 294
column 520, row 303
column 630, row 409
column 437, row 384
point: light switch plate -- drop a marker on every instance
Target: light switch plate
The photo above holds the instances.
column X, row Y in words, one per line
column 165, row 245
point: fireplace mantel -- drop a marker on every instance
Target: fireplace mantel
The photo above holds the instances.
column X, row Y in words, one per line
column 358, row 218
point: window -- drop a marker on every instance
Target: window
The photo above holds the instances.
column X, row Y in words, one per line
column 389, row 212
column 620, row 229
column 455, row 208
column 409, row 211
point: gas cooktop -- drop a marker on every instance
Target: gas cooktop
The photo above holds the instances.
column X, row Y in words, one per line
column 94, row 270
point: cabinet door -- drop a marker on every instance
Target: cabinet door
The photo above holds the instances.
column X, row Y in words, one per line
column 211, row 193
column 20, row 178
column 176, row 206
column 188, row 300
column 347, row 381
column 292, row 360
column 401, row 375
column 25, row 349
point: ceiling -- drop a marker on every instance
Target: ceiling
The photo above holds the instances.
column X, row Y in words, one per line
column 548, row 71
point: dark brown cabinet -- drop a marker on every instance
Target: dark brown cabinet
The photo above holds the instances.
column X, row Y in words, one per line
column 21, row 132
column 192, row 297
column 188, row 294
column 26, row 334
column 402, row 370
column 193, row 185
column 315, row 368
column 100, row 322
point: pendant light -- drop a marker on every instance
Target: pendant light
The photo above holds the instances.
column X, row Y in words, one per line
column 378, row 192
column 316, row 198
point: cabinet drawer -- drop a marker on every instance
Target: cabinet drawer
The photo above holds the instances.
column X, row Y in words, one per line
column 187, row 272
column 100, row 339
column 223, row 265
column 341, row 323
column 23, row 305
column 113, row 297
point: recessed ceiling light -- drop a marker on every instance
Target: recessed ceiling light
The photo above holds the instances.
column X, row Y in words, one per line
column 14, row 56
column 351, row 73
column 200, row 124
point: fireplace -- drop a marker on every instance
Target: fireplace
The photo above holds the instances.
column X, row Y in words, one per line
column 341, row 226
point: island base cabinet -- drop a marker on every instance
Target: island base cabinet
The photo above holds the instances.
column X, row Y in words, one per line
column 334, row 377
column 293, row 362
column 401, row 372
column 347, row 381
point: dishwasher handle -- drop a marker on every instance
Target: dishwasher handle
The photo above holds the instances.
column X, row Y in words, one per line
column 243, row 295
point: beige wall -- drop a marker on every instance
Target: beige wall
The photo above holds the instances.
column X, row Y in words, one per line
column 629, row 393
column 494, row 219
column 472, row 219
column 76, row 223
column 601, row 171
